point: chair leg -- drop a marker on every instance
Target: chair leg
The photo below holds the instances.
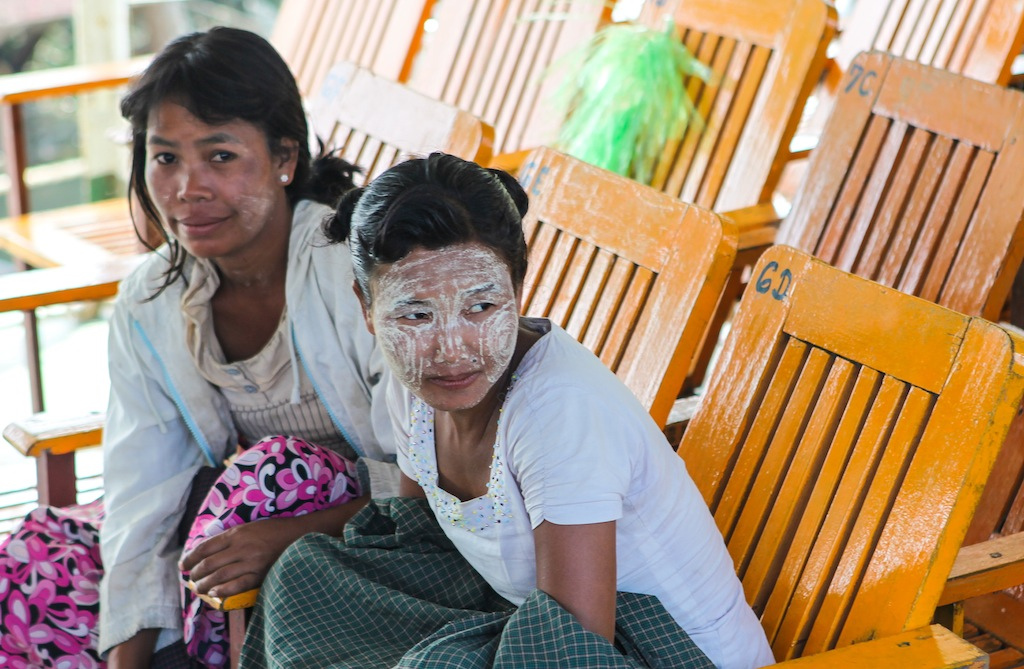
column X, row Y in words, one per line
column 236, row 634
column 55, row 479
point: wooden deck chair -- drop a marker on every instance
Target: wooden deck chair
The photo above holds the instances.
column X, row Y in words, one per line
column 907, row 190
column 383, row 36
column 842, row 446
column 977, row 38
column 632, row 273
column 766, row 56
column 383, row 122
column 491, row 58
column 916, row 184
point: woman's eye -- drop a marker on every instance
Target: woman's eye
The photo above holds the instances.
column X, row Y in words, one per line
column 480, row 307
column 164, row 158
column 414, row 316
column 222, row 156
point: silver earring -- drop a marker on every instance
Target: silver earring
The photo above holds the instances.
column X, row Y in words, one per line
column 284, row 178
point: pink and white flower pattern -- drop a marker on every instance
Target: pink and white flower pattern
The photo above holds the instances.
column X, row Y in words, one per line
column 50, row 571
column 50, row 568
column 277, row 477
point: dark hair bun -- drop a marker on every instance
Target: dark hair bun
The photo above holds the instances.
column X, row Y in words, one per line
column 515, row 190
column 338, row 225
column 330, row 178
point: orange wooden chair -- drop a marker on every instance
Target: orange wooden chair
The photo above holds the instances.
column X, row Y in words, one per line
column 976, row 38
column 765, row 56
column 916, row 184
column 842, row 446
column 632, row 273
column 980, row 39
column 490, row 57
column 311, row 35
column 912, row 190
column 382, row 36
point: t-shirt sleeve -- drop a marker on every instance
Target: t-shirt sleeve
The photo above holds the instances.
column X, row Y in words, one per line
column 399, row 406
column 569, row 452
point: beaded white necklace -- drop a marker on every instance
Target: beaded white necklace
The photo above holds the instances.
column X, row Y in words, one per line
column 474, row 515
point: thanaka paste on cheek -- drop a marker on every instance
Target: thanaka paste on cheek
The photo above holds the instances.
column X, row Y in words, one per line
column 451, row 338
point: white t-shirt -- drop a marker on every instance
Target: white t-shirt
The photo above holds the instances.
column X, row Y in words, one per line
column 574, row 446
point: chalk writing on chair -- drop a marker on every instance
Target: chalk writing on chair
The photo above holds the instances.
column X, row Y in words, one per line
column 531, row 182
column 859, row 74
column 766, row 283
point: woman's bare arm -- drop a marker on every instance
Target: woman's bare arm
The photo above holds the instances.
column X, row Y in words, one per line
column 576, row 566
column 135, row 652
column 409, row 488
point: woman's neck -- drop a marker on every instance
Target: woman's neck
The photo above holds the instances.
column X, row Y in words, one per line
column 259, row 267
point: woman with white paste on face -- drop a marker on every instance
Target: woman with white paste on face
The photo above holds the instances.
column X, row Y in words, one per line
column 540, row 466
column 243, row 325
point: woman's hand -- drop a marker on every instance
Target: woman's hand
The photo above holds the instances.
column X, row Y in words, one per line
column 238, row 559
column 576, row 566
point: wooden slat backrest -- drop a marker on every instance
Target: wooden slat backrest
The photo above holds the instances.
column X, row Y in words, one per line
column 375, row 122
column 916, row 184
column 766, row 56
column 976, row 38
column 382, row 35
column 842, row 446
column 632, row 273
column 491, row 58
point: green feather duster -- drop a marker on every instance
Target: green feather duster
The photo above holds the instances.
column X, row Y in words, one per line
column 624, row 95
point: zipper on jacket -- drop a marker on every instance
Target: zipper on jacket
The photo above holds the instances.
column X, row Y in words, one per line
column 176, row 398
column 316, row 388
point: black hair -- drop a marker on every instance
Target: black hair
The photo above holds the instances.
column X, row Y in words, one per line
column 431, row 203
column 219, row 76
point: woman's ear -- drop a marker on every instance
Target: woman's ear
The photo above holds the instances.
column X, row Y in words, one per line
column 364, row 306
column 287, row 157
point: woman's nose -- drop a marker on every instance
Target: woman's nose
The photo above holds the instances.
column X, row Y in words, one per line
column 451, row 345
column 192, row 185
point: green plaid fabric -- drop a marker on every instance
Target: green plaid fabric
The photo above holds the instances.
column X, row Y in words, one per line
column 393, row 592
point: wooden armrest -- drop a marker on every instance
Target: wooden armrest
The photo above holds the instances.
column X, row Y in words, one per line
column 243, row 600
column 24, row 291
column 923, row 648
column 678, row 418
column 801, row 145
column 510, row 162
column 986, row 567
column 1017, row 70
column 70, row 235
column 756, row 224
column 31, row 86
column 683, row 409
column 1017, row 337
column 52, row 433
